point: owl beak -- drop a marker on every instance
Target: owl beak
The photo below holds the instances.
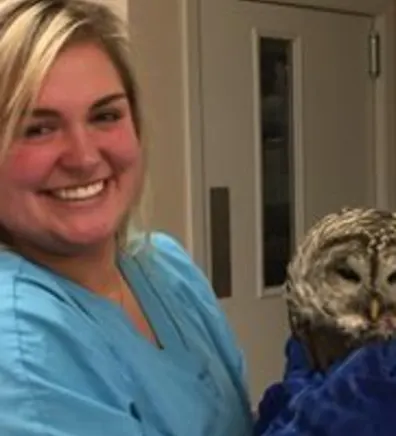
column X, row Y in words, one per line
column 374, row 309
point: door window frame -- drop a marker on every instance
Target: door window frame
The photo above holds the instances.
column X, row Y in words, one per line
column 383, row 13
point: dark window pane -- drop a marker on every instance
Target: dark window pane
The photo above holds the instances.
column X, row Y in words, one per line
column 277, row 157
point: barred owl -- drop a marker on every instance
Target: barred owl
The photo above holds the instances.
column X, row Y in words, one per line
column 341, row 284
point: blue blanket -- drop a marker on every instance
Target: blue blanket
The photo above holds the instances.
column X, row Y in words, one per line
column 356, row 397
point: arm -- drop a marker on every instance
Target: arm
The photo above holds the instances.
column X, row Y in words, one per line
column 356, row 396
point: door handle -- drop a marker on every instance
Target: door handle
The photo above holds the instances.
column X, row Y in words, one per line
column 220, row 241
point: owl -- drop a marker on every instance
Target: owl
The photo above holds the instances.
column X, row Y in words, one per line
column 341, row 284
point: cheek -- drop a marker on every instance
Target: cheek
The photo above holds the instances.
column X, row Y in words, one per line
column 125, row 149
column 28, row 167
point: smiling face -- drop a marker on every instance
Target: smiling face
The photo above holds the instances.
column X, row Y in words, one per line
column 76, row 165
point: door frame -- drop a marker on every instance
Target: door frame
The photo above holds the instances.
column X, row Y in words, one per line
column 383, row 13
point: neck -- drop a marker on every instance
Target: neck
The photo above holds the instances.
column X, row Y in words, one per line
column 94, row 269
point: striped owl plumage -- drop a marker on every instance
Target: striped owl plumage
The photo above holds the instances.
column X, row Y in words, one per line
column 342, row 284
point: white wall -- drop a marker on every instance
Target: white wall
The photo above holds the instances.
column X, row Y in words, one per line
column 121, row 6
column 156, row 37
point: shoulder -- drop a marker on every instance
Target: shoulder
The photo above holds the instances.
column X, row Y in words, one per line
column 167, row 261
column 167, row 250
column 25, row 312
column 30, row 294
column 171, row 268
column 16, row 273
column 51, row 358
column 171, row 253
column 23, row 285
column 41, row 327
column 34, row 314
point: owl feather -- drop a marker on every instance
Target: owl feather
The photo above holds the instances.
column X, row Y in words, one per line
column 341, row 284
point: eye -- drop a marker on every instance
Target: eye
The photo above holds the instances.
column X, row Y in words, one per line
column 37, row 130
column 392, row 278
column 107, row 116
column 347, row 274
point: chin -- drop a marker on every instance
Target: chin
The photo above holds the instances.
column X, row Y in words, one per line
column 91, row 237
column 74, row 242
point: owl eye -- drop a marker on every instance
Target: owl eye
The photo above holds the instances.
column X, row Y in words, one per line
column 392, row 278
column 348, row 274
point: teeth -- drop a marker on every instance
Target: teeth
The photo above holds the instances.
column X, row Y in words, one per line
column 80, row 193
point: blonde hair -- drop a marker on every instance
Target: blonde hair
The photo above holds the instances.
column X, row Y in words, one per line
column 32, row 34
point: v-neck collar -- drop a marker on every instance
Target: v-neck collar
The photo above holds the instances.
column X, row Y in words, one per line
column 157, row 301
column 155, row 307
column 158, row 311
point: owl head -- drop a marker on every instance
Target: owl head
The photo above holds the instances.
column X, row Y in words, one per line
column 343, row 274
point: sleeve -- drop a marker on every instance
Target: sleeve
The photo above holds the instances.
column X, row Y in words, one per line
column 197, row 292
column 49, row 376
column 356, row 397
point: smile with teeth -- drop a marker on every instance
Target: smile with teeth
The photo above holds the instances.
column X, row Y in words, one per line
column 81, row 192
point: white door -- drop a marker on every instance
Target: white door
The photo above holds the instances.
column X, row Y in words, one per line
column 287, row 106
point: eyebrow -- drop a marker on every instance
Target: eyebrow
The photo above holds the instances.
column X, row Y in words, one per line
column 42, row 112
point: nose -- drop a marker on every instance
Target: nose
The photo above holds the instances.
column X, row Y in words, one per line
column 81, row 154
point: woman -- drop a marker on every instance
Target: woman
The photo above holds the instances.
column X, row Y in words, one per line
column 96, row 338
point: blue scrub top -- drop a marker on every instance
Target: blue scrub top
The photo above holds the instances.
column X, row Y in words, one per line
column 72, row 363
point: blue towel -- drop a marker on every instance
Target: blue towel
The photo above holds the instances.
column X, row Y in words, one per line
column 354, row 397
